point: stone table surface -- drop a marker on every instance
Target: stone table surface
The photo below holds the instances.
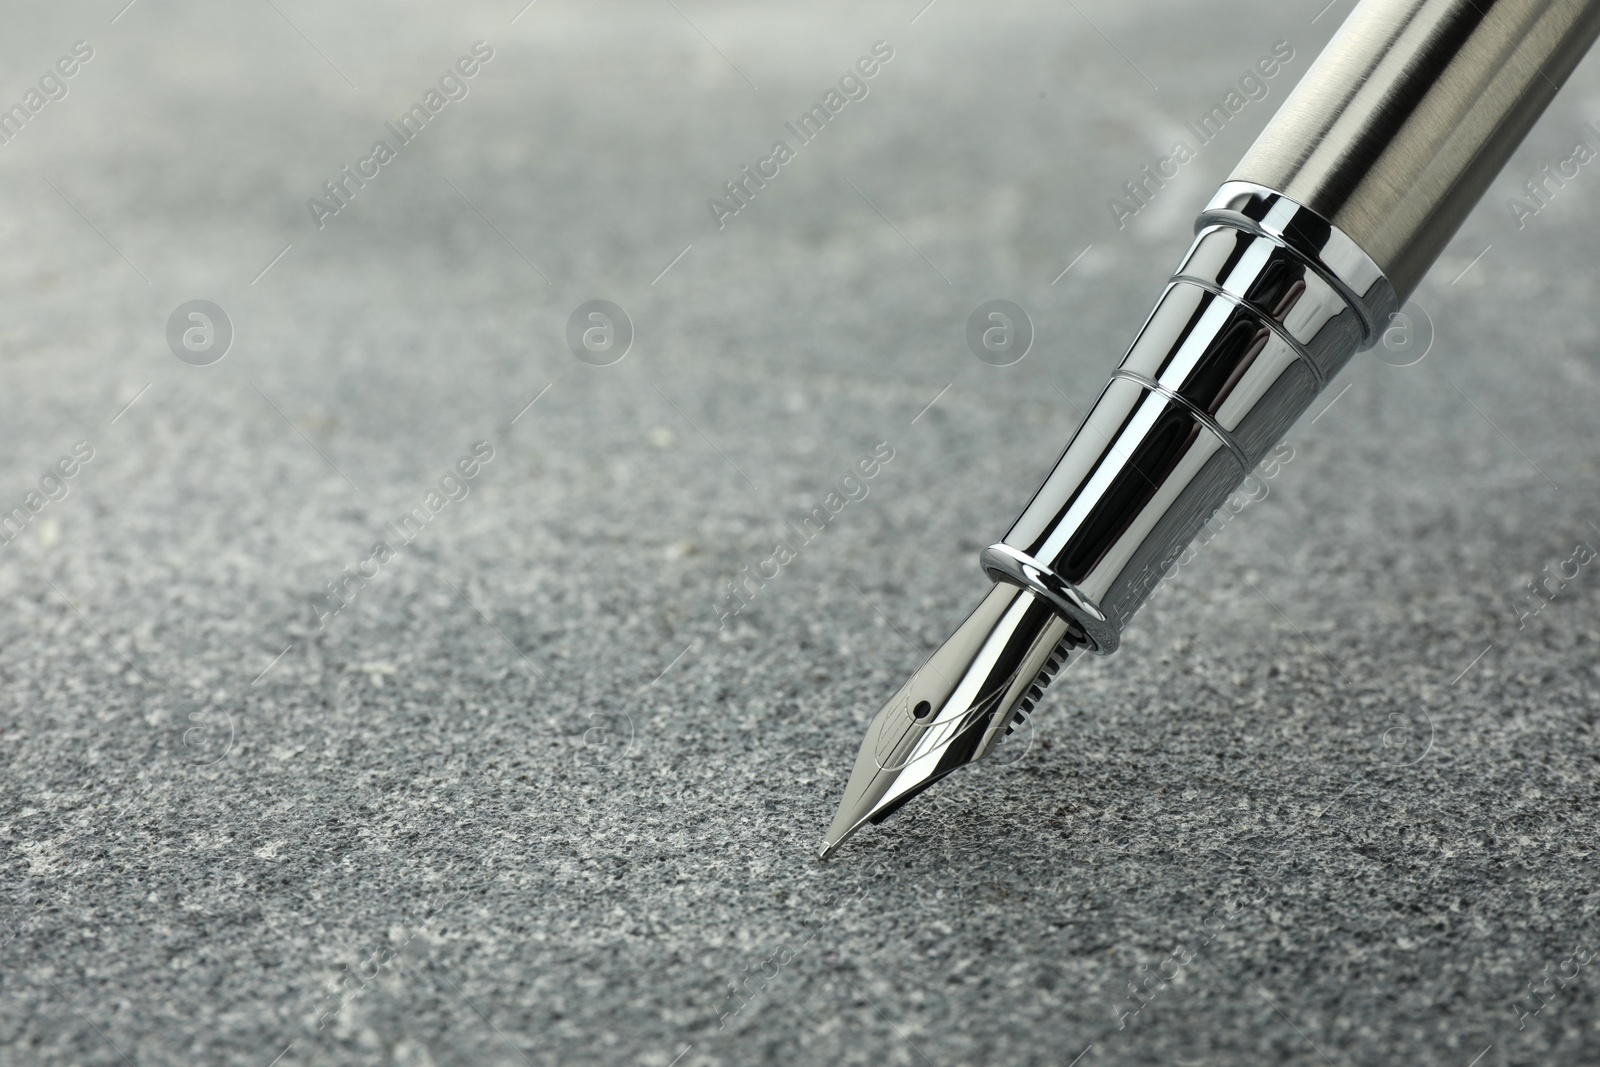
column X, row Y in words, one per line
column 528, row 791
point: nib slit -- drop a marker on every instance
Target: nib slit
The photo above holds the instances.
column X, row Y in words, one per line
column 969, row 695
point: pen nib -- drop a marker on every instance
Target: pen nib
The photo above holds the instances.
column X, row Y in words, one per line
column 956, row 708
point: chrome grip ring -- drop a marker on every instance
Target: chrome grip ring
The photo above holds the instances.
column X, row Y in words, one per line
column 1266, row 307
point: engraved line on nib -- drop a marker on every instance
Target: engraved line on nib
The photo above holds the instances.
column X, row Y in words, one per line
column 937, row 734
column 1000, row 659
column 934, row 746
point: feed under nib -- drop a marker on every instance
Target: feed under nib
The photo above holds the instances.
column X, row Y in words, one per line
column 957, row 707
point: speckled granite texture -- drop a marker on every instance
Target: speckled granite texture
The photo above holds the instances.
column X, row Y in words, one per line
column 517, row 797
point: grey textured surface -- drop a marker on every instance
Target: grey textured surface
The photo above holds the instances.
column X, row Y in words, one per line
column 525, row 777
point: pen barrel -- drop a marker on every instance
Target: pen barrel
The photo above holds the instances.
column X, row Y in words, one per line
column 1270, row 301
column 1398, row 128
column 1327, row 224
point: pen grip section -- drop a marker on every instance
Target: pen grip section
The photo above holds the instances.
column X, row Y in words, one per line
column 1246, row 334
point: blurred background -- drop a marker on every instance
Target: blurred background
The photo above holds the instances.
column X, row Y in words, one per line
column 527, row 789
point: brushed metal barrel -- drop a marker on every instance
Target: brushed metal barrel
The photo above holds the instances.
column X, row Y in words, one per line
column 1267, row 305
column 1398, row 128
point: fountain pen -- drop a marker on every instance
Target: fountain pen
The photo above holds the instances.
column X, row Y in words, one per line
column 1299, row 261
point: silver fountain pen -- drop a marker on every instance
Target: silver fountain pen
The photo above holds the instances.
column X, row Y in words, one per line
column 1299, row 261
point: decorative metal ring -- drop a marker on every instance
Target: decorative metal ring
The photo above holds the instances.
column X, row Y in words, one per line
column 1003, row 563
